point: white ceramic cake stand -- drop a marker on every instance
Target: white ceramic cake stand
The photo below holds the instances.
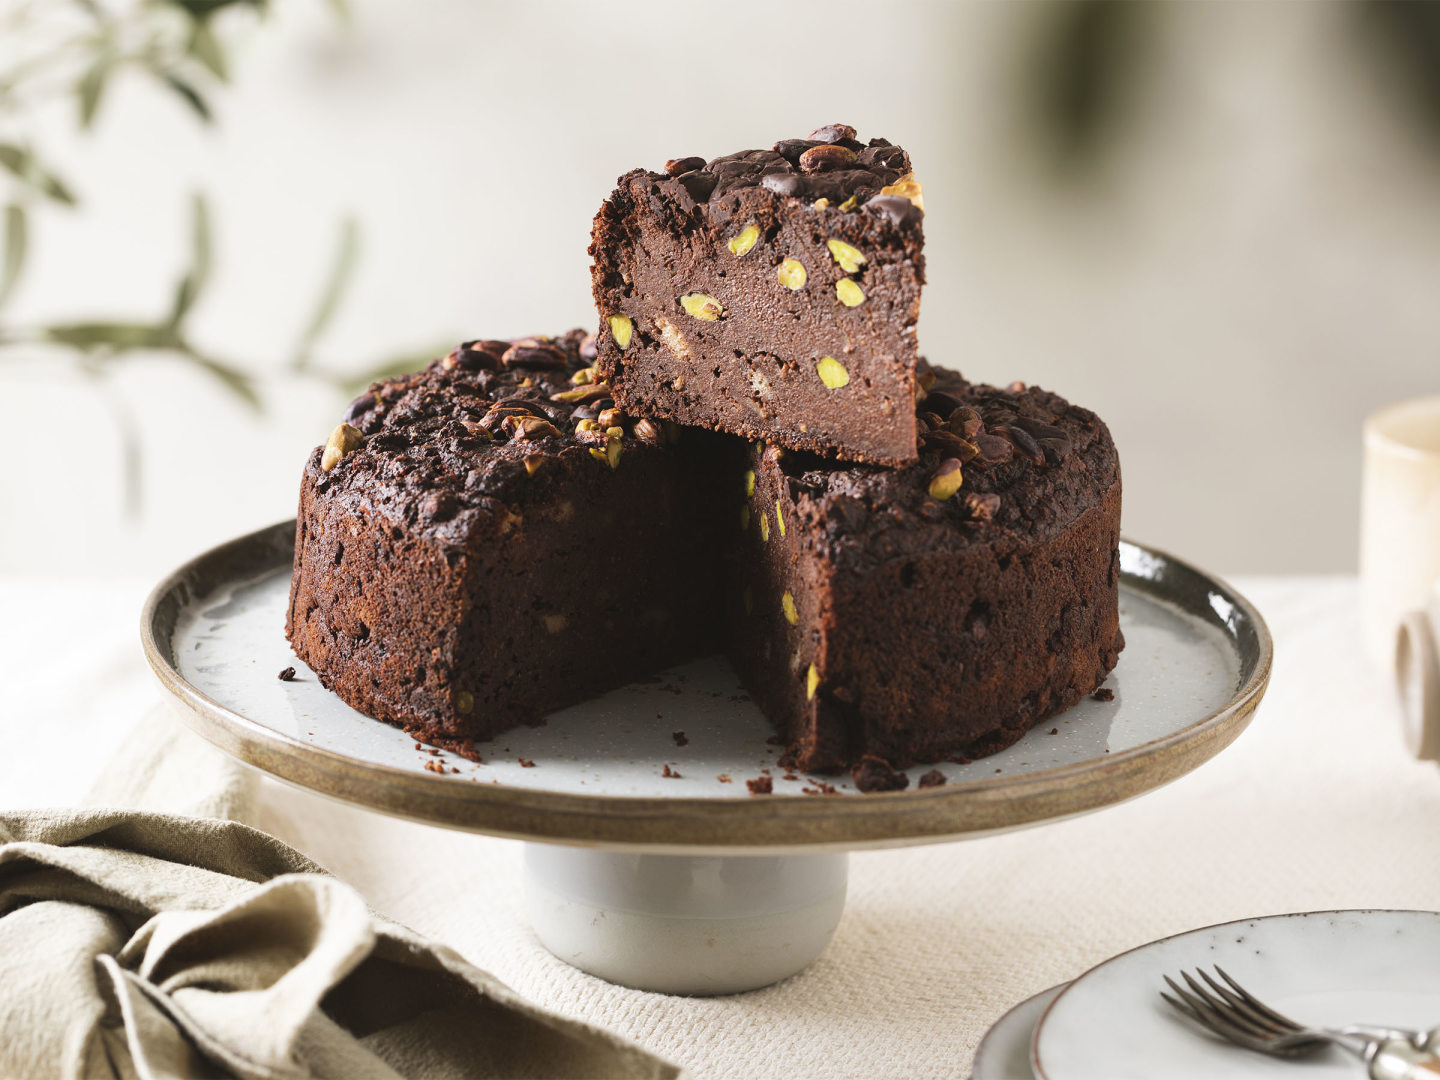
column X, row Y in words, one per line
column 687, row 883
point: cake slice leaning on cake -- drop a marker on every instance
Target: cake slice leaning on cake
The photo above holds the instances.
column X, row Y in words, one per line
column 770, row 294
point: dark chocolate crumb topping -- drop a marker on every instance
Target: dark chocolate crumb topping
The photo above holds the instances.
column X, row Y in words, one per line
column 830, row 164
column 479, row 422
column 1025, row 458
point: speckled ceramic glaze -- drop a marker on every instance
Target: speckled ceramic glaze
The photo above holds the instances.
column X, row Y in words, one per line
column 1326, row 968
column 1196, row 664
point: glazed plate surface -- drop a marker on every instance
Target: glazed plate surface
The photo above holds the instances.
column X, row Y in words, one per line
column 1196, row 664
column 1326, row 968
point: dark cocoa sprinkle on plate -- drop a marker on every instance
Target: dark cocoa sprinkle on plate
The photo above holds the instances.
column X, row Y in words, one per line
column 679, row 737
column 288, row 675
column 761, row 785
column 1054, row 731
column 1104, row 694
column 933, row 778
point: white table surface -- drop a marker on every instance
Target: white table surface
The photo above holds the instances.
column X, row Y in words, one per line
column 1316, row 806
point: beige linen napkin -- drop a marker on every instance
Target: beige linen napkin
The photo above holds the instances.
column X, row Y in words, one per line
column 144, row 944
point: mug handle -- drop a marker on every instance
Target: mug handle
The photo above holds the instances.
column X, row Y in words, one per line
column 1417, row 675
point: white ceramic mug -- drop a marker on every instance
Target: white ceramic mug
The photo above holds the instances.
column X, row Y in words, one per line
column 1417, row 674
column 1399, row 520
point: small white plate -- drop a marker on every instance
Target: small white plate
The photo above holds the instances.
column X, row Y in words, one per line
column 1004, row 1052
column 1327, row 968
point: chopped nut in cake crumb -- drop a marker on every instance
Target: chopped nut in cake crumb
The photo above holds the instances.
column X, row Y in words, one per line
column 761, row 785
column 933, row 778
column 1104, row 694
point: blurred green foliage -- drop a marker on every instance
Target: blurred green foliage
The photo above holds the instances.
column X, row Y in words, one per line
column 177, row 44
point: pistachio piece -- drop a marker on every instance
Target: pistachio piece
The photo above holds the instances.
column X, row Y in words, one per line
column 825, row 157
column 533, row 463
column 832, row 373
column 907, row 187
column 612, row 449
column 820, row 204
column 611, row 418
column 591, row 392
column 749, row 482
column 791, row 274
column 584, row 377
column 743, row 241
column 847, row 255
column 527, row 428
column 343, row 440
column 779, row 517
column 464, row 701
column 848, row 204
column 765, row 528
column 587, row 425
column 648, row 432
column 849, row 293
column 615, row 432
column 982, row 507
column 787, row 605
column 946, row 481
column 812, row 683
column 620, row 329
column 702, row 306
column 744, row 517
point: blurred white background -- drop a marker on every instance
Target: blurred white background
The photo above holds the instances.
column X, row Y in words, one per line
column 1240, row 261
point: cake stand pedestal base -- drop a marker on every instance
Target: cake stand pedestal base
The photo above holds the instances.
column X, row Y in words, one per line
column 684, row 924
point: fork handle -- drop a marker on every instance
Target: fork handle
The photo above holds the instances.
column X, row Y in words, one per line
column 1396, row 1059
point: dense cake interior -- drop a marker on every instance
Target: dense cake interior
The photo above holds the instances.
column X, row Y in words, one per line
column 771, row 294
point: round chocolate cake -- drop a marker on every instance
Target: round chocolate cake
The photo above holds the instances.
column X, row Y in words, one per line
column 490, row 539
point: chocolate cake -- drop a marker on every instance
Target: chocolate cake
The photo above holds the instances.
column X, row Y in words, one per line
column 771, row 294
column 491, row 539
column 940, row 609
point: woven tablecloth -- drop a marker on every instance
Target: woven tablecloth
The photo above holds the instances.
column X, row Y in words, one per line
column 1315, row 806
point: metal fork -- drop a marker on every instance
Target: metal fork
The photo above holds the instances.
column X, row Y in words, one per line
column 1233, row 1013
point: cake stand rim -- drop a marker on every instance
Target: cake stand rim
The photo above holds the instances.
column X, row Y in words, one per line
column 688, row 824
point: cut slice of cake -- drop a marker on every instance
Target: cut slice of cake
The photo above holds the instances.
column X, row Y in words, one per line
column 771, row 294
column 939, row 610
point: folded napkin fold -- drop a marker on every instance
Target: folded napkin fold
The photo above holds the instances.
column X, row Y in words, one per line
column 141, row 944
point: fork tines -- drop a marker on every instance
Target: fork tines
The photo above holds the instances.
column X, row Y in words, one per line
column 1233, row 1013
